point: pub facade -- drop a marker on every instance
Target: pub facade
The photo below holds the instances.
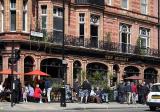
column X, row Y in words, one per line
column 116, row 38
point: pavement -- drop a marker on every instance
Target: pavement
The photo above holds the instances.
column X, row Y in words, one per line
column 27, row 107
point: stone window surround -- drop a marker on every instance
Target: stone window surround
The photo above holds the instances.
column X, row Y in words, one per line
column 44, row 14
column 145, row 36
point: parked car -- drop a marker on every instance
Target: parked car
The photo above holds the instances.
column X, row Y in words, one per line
column 153, row 98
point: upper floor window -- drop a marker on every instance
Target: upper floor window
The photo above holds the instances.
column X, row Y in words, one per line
column 144, row 6
column 81, row 18
column 25, row 15
column 125, row 4
column 58, row 24
column 109, row 2
column 44, row 17
column 44, row 9
column 57, row 11
column 144, row 37
column 12, row 4
column 94, row 29
column 81, row 28
column 13, row 15
column 125, row 37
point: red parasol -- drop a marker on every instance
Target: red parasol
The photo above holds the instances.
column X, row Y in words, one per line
column 36, row 72
column 8, row 72
column 134, row 77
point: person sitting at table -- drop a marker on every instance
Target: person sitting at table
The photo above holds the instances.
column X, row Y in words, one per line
column 31, row 93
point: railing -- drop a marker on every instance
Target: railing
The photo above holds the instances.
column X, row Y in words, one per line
column 90, row 2
column 101, row 45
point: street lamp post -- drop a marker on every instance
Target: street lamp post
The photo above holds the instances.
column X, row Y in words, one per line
column 63, row 91
column 12, row 67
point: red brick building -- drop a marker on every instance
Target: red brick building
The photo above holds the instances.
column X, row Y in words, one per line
column 117, row 37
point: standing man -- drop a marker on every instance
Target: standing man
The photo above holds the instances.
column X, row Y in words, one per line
column 16, row 84
column 121, row 92
column 86, row 88
column 128, row 91
column 76, row 89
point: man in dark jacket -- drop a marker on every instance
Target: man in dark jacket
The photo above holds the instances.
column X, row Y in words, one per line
column 16, row 90
column 86, row 88
column 121, row 92
column 144, row 91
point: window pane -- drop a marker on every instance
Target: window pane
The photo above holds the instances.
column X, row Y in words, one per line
column 143, row 42
column 58, row 36
column 108, row 2
column 125, row 4
column 44, row 19
column 124, row 37
column 58, row 23
column 24, row 21
column 13, row 4
column 94, row 31
column 155, row 88
column 44, row 9
column 143, row 9
column 81, row 29
column 13, row 20
column 143, row 1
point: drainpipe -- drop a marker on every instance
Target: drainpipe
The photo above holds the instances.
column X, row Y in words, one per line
column 158, row 26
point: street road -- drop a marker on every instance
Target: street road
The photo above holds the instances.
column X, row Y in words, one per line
column 114, row 110
column 98, row 110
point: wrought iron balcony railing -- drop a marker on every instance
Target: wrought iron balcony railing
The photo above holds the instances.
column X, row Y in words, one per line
column 100, row 45
column 90, row 2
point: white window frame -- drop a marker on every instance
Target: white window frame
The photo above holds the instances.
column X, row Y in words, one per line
column 25, row 9
column 145, row 36
column 109, row 2
column 12, row 9
column 127, row 5
column 82, row 22
column 44, row 15
column 144, row 5
column 96, row 19
column 14, row 6
column 128, row 32
column 59, row 12
column 81, row 18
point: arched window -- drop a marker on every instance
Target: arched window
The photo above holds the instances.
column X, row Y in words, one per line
column 130, row 71
column 53, row 67
column 97, row 74
column 28, row 66
column 150, row 75
column 76, row 69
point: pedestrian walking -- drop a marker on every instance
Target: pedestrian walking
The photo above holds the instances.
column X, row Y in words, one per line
column 128, row 92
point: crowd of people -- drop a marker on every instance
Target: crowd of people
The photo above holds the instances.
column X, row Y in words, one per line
column 127, row 92
column 88, row 93
column 132, row 92
column 28, row 92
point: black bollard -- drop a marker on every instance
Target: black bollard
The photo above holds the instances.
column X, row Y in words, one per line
column 63, row 97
